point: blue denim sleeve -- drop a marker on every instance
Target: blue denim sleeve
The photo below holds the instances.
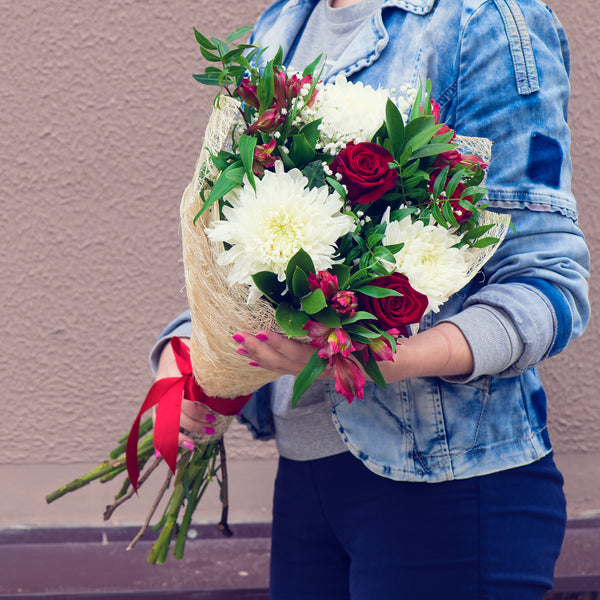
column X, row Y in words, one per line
column 513, row 88
column 179, row 327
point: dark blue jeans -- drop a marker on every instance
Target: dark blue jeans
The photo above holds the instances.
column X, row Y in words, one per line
column 341, row 532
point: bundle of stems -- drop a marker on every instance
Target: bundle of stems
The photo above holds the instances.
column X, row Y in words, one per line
column 195, row 470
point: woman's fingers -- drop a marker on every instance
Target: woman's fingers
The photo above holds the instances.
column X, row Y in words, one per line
column 273, row 351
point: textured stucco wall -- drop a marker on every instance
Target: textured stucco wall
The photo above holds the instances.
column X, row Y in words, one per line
column 101, row 124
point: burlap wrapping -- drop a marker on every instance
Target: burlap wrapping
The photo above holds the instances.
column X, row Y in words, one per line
column 219, row 310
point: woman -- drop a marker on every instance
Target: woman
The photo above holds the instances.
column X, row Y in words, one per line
column 442, row 485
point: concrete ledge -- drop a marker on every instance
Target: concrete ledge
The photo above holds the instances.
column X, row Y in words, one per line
column 91, row 564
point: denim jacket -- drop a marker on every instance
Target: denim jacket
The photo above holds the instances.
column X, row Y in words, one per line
column 499, row 69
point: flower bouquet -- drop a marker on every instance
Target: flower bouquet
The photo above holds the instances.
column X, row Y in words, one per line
column 334, row 213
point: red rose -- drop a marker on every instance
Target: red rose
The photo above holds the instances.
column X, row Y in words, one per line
column 365, row 171
column 395, row 311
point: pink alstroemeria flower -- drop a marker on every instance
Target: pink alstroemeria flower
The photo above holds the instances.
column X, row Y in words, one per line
column 349, row 380
column 294, row 85
column 268, row 121
column 263, row 157
column 329, row 341
column 381, row 349
column 247, row 92
column 324, row 281
column 345, row 303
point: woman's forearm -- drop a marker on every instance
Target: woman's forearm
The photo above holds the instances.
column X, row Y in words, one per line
column 441, row 351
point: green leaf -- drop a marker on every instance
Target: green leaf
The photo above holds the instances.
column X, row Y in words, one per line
column 405, row 156
column 278, row 58
column 209, row 55
column 236, row 34
column 313, row 368
column 372, row 369
column 401, row 213
column 244, row 62
column 313, row 171
column 377, row 292
column 359, row 315
column 247, row 144
column 374, row 238
column 342, row 272
column 449, row 214
column 208, row 79
column 300, row 284
column 414, row 113
column 394, row 248
column 222, row 47
column 433, row 149
column 437, row 215
column 476, row 232
column 314, row 302
column 301, row 151
column 291, row 320
column 310, row 68
column 485, row 242
column 311, row 132
column 440, row 182
column 204, row 41
column 300, row 259
column 382, row 253
column 269, row 285
column 362, row 331
column 337, row 186
column 264, row 89
column 229, row 179
column 423, row 137
column 232, row 55
column 328, row 317
column 395, row 127
column 453, row 183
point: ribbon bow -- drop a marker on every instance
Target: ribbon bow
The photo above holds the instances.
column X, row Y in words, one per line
column 166, row 394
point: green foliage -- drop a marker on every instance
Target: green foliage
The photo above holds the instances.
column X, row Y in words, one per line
column 313, row 368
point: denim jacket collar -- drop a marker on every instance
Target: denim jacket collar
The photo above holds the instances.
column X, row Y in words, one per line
column 373, row 39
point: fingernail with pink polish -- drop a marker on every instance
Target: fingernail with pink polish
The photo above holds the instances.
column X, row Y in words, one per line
column 209, row 430
column 210, row 418
column 253, row 364
column 156, row 453
column 238, row 338
column 261, row 336
column 242, row 352
column 188, row 445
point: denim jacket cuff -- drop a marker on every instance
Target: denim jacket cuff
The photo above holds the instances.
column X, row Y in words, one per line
column 180, row 327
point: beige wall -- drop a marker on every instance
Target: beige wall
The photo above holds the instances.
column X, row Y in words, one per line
column 100, row 126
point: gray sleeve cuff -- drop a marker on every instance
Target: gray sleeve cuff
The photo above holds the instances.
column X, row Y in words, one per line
column 180, row 327
column 494, row 340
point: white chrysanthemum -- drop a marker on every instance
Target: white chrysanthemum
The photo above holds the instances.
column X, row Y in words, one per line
column 428, row 259
column 350, row 112
column 267, row 227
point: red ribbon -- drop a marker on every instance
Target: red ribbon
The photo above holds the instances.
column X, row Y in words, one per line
column 166, row 394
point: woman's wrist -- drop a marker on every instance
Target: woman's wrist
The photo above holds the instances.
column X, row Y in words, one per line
column 441, row 351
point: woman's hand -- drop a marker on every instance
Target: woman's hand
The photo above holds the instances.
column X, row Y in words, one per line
column 195, row 417
column 437, row 352
column 273, row 351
